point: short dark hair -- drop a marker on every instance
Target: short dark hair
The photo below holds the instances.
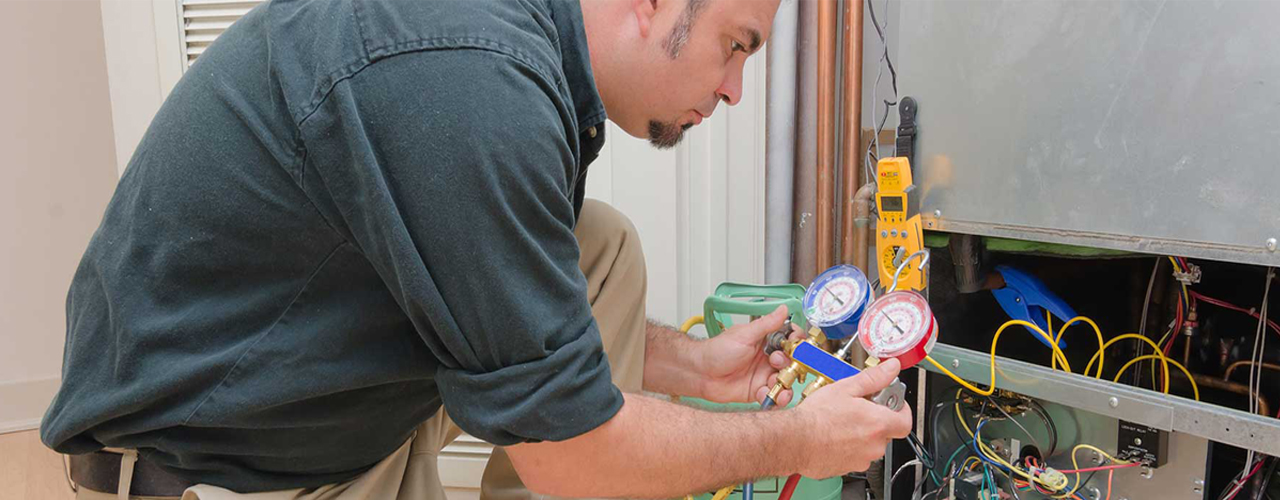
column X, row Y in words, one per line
column 680, row 33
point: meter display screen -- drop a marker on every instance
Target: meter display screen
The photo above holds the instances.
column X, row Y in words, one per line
column 891, row 203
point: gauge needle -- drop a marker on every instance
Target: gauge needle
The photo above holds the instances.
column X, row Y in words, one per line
column 892, row 322
column 834, row 296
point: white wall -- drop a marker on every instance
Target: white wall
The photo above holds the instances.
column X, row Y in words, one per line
column 57, row 171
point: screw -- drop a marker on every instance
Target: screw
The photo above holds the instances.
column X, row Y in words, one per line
column 937, row 212
column 1271, row 244
column 1095, row 493
column 1097, row 458
column 1124, row 498
column 1137, row 441
column 1199, row 482
column 1146, row 473
column 955, row 363
column 1113, row 402
column 1197, row 490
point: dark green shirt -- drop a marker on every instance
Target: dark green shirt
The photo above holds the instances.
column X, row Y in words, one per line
column 345, row 215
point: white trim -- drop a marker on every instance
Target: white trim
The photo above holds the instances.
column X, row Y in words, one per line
column 25, row 402
column 170, row 40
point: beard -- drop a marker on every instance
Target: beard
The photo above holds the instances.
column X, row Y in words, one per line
column 665, row 135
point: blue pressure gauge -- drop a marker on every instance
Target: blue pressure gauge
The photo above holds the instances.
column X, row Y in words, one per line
column 836, row 299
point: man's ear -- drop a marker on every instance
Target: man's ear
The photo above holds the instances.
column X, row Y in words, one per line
column 644, row 10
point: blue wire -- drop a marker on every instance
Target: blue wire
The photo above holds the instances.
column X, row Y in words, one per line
column 748, row 491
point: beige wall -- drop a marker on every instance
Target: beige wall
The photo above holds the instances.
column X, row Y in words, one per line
column 57, row 171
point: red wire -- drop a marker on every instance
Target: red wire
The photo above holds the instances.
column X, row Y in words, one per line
column 1105, row 467
column 1246, row 479
column 1177, row 325
column 1224, row 304
column 790, row 487
column 1110, row 474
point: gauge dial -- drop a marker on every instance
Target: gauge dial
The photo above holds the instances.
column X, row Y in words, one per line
column 835, row 300
column 899, row 325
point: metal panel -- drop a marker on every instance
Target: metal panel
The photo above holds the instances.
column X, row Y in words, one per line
column 1170, row 413
column 1182, row 477
column 1136, row 125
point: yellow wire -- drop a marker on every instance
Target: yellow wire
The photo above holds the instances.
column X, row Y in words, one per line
column 1194, row 388
column 1096, row 330
column 996, row 338
column 991, row 454
column 1163, row 359
column 1186, row 297
column 689, row 323
column 1077, row 466
column 722, row 493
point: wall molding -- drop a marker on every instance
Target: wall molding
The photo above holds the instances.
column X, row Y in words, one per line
column 25, row 402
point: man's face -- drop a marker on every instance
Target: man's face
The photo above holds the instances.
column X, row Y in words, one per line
column 697, row 52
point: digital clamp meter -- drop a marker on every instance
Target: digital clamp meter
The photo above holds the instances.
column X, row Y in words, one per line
column 898, row 230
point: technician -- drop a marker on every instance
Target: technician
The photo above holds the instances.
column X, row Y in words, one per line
column 349, row 217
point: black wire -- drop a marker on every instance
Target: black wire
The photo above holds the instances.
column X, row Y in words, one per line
column 1266, row 480
column 1013, row 489
column 893, row 74
column 1048, row 421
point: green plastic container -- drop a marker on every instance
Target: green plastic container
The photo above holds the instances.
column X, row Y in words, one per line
column 739, row 299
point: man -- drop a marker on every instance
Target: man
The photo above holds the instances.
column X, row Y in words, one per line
column 350, row 214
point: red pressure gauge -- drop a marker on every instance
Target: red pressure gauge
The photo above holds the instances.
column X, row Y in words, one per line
column 899, row 325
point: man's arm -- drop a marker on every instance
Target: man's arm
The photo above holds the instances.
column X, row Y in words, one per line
column 654, row 449
column 671, row 361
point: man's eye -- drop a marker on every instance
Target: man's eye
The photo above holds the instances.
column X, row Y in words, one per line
column 734, row 46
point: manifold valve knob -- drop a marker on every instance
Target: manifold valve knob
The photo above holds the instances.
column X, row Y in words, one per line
column 775, row 342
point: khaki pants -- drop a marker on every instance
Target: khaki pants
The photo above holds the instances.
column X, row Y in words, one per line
column 613, row 263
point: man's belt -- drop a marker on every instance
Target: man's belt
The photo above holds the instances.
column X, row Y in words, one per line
column 100, row 471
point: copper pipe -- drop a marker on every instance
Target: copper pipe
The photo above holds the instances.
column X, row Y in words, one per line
column 804, row 256
column 826, row 132
column 1215, row 383
column 851, row 125
column 862, row 226
column 1226, row 375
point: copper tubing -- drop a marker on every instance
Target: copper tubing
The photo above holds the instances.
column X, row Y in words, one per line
column 1226, row 375
column 851, row 128
column 804, row 256
column 826, row 133
column 1215, row 383
column 862, row 226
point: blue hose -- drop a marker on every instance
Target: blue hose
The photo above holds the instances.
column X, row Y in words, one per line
column 748, row 490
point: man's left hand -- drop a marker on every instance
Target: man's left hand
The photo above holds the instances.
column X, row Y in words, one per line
column 734, row 368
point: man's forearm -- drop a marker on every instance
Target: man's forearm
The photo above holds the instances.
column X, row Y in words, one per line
column 655, row 449
column 671, row 360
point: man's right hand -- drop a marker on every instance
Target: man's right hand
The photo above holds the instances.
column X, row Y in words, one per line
column 844, row 429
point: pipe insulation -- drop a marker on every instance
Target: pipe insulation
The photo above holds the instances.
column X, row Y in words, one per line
column 780, row 143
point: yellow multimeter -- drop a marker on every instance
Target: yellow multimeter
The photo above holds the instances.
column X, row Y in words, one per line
column 898, row 231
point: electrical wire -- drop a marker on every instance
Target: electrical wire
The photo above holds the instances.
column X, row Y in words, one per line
column 902, row 468
column 1259, row 347
column 1146, row 304
column 1266, row 479
column 1199, row 297
column 1006, row 414
column 1098, row 331
column 1048, row 422
column 1156, row 347
column 1195, row 389
column 881, row 31
column 996, row 338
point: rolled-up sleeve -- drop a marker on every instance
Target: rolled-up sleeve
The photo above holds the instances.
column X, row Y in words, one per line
column 452, row 173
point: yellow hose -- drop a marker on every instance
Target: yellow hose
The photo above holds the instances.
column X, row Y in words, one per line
column 689, row 323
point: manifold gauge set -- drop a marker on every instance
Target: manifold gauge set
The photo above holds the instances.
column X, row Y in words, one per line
column 898, row 324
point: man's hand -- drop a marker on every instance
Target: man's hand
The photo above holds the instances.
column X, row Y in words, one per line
column 850, row 429
column 733, row 367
